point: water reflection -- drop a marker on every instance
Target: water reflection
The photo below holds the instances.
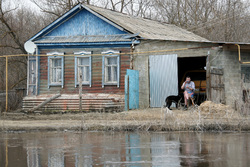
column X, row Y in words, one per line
column 70, row 149
column 165, row 150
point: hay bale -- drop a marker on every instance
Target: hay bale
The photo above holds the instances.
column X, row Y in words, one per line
column 211, row 107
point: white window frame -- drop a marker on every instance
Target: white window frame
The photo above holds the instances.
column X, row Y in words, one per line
column 55, row 55
column 107, row 54
column 83, row 54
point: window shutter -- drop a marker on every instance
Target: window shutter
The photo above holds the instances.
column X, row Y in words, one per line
column 90, row 71
column 103, row 66
column 49, row 72
column 118, row 71
column 76, row 75
column 62, row 71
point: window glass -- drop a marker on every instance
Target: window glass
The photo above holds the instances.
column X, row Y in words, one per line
column 83, row 61
column 83, row 69
column 56, row 75
column 111, row 69
column 112, row 60
column 115, row 74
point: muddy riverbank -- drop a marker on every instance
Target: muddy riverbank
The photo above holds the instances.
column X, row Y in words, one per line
column 157, row 119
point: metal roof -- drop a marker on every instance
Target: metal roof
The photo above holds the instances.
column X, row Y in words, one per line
column 73, row 39
column 136, row 26
column 147, row 29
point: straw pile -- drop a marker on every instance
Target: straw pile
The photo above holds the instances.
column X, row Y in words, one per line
column 212, row 108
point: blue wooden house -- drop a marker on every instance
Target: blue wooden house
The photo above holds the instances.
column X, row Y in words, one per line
column 101, row 45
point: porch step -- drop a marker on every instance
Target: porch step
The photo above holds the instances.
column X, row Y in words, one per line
column 71, row 103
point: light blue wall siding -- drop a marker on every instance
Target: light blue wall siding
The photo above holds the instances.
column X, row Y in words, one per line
column 85, row 23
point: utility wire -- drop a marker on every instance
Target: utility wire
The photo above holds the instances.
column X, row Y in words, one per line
column 123, row 53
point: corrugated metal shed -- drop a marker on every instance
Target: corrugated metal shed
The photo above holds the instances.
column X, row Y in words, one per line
column 163, row 78
column 148, row 29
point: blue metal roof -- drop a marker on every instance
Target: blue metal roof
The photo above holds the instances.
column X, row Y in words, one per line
column 89, row 38
column 117, row 23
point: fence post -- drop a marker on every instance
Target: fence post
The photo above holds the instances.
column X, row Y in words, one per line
column 6, row 106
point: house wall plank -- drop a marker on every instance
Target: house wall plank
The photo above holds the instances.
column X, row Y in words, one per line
column 69, row 72
column 85, row 23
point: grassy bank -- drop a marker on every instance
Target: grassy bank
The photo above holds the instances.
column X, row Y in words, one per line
column 157, row 119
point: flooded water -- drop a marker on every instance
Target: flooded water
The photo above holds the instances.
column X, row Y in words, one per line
column 72, row 149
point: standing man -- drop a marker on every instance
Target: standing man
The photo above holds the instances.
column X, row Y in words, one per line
column 188, row 87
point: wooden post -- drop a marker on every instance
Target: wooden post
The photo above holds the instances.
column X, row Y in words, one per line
column 44, row 103
column 36, row 75
column 80, row 91
column 208, row 78
column 6, row 106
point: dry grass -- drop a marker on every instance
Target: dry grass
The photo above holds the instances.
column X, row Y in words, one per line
column 208, row 116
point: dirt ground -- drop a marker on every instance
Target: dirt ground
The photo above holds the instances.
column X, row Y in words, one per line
column 207, row 117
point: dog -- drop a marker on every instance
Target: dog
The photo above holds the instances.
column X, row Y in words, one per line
column 173, row 99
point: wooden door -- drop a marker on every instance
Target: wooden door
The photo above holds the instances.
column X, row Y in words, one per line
column 32, row 76
column 215, row 85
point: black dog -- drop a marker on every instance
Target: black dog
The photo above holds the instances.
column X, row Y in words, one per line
column 173, row 99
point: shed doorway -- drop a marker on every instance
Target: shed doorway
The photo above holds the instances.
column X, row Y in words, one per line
column 163, row 78
column 194, row 67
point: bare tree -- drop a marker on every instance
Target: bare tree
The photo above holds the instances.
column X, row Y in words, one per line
column 57, row 7
column 6, row 29
column 222, row 20
column 17, row 25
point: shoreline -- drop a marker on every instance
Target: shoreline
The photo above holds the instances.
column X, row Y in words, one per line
column 130, row 128
column 133, row 120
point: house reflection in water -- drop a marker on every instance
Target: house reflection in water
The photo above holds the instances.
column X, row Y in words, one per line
column 105, row 149
column 46, row 149
column 56, row 158
column 33, row 157
column 133, row 149
column 165, row 150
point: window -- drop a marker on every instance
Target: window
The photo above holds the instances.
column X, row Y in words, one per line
column 245, row 73
column 55, row 69
column 110, row 68
column 83, row 66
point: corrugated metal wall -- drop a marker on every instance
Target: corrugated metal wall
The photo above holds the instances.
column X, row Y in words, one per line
column 163, row 78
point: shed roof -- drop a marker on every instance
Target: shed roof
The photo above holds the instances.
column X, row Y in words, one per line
column 146, row 28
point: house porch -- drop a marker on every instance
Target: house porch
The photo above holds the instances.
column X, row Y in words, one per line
column 70, row 102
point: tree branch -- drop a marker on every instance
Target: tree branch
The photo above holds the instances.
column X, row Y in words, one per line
column 11, row 32
column 19, row 81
